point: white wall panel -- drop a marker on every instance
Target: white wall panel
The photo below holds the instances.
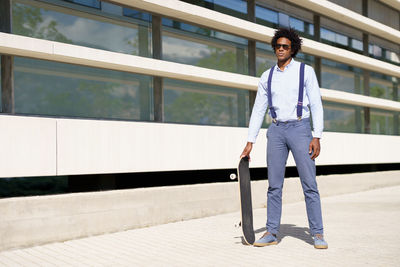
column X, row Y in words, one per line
column 87, row 146
column 28, row 146
column 347, row 148
column 108, row 147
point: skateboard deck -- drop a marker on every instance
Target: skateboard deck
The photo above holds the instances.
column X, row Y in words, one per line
column 246, row 208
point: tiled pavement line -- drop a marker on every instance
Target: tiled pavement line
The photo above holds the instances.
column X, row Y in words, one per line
column 214, row 241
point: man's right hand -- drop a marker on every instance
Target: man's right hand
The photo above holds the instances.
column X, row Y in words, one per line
column 247, row 150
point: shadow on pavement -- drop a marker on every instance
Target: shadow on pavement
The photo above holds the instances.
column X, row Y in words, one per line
column 302, row 233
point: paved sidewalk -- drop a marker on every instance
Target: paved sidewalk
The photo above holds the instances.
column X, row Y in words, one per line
column 362, row 229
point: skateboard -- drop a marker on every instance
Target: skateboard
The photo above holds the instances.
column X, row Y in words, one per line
column 246, row 208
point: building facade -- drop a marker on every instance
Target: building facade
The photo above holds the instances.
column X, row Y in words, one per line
column 95, row 87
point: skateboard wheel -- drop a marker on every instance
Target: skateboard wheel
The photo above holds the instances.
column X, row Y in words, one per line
column 232, row 176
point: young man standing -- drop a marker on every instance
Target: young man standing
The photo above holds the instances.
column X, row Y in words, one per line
column 289, row 90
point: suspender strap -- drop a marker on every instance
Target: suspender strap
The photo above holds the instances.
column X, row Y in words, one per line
column 271, row 108
column 301, row 90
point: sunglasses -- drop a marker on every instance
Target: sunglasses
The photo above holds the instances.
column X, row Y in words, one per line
column 284, row 46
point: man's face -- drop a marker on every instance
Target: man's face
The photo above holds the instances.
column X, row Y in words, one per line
column 283, row 49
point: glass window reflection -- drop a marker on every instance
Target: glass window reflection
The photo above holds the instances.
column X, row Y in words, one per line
column 297, row 24
column 357, row 44
column 266, row 16
column 383, row 86
column 195, row 103
column 136, row 14
column 237, row 5
column 328, row 35
column 381, row 122
column 56, row 89
column 105, row 34
column 89, row 3
column 343, row 118
column 341, row 77
column 205, row 48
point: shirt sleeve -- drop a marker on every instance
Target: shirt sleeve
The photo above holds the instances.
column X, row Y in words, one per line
column 259, row 109
column 314, row 97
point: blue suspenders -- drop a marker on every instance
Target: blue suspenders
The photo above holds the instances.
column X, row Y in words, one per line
column 271, row 108
column 300, row 99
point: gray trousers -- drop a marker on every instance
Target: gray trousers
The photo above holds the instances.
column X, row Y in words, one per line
column 283, row 137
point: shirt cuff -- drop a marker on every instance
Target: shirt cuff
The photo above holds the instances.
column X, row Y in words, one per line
column 317, row 134
column 251, row 140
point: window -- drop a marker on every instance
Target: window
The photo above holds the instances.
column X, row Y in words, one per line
column 89, row 3
column 284, row 20
column 136, row 14
column 375, row 50
column 237, row 5
column 196, row 103
column 357, row 44
column 381, row 122
column 266, row 15
column 189, row 44
column 341, row 39
column 90, row 31
column 59, row 89
column 297, row 24
column 328, row 35
column 342, row 77
column 342, row 118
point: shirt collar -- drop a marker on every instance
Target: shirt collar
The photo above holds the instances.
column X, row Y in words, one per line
column 288, row 66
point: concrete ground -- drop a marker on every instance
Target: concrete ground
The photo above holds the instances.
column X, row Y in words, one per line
column 362, row 229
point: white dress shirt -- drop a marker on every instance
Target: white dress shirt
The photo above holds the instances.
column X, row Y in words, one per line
column 285, row 93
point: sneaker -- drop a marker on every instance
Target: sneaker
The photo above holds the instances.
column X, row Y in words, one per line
column 266, row 240
column 319, row 242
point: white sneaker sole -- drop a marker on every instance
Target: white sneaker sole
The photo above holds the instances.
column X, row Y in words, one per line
column 265, row 244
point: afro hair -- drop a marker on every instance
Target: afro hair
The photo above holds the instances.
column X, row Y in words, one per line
column 291, row 35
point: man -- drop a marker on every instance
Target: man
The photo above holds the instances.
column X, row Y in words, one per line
column 290, row 131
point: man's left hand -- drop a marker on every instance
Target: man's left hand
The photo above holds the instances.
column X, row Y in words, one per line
column 314, row 148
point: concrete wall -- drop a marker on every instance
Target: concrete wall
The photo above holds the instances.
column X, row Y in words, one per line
column 29, row 221
column 45, row 146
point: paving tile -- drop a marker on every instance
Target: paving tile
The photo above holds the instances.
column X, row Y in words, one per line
column 361, row 229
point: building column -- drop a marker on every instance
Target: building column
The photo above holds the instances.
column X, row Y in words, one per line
column 7, row 62
column 366, row 76
column 396, row 114
column 317, row 37
column 144, row 82
column 396, row 117
column 158, row 92
column 366, row 73
column 251, row 47
column 357, row 87
column 241, row 96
